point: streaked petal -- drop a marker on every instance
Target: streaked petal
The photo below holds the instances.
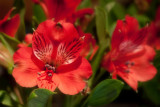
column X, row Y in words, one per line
column 71, row 77
column 25, row 71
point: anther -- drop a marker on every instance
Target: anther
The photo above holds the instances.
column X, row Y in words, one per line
column 127, row 63
column 38, row 73
column 132, row 63
column 83, row 37
column 47, row 65
column 50, row 68
column 33, row 29
column 127, row 71
column 119, row 30
column 49, row 74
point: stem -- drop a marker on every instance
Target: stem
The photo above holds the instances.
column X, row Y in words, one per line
column 16, row 90
column 96, row 63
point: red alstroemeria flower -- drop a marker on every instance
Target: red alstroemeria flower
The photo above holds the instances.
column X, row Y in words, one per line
column 53, row 61
column 154, row 32
column 63, row 9
column 129, row 58
column 10, row 26
column 90, row 47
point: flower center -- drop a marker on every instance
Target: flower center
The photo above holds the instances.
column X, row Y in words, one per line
column 128, row 65
column 49, row 67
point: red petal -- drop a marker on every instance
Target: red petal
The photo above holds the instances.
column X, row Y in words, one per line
column 42, row 47
column 11, row 26
column 60, row 9
column 157, row 18
column 50, row 83
column 124, row 30
column 143, row 70
column 28, row 38
column 71, row 77
column 68, row 52
column 58, row 32
column 6, row 16
column 129, row 79
column 80, row 14
column 25, row 71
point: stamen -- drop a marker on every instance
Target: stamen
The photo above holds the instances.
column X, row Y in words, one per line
column 127, row 63
column 132, row 63
column 127, row 71
column 47, row 65
column 83, row 37
column 49, row 74
column 38, row 73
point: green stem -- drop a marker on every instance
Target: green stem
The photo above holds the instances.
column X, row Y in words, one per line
column 96, row 63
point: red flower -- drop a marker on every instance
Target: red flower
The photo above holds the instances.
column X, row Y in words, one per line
column 154, row 34
column 63, row 9
column 53, row 61
column 129, row 58
column 10, row 26
column 90, row 47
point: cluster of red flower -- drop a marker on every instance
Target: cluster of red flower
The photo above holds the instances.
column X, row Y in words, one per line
column 56, row 58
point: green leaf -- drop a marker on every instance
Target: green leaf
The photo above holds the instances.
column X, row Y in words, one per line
column 39, row 13
column 103, row 39
column 152, row 88
column 101, row 26
column 105, row 92
column 39, row 98
column 85, row 4
column 5, row 98
column 106, row 3
column 9, row 42
column 119, row 11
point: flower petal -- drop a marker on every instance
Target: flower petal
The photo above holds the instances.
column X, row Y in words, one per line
column 60, row 9
column 71, row 77
column 11, row 26
column 68, row 52
column 124, row 31
column 58, row 32
column 143, row 69
column 42, row 47
column 129, row 79
column 47, row 82
column 25, row 71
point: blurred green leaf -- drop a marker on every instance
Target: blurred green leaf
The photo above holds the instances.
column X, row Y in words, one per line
column 105, row 92
column 5, row 98
column 39, row 98
column 9, row 42
column 108, row 4
column 132, row 9
column 39, row 13
column 143, row 20
column 103, row 39
column 119, row 11
column 152, row 88
column 101, row 26
column 85, row 4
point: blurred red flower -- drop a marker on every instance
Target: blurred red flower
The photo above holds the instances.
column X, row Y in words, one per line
column 154, row 34
column 90, row 47
column 10, row 26
column 53, row 61
column 63, row 9
column 129, row 57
